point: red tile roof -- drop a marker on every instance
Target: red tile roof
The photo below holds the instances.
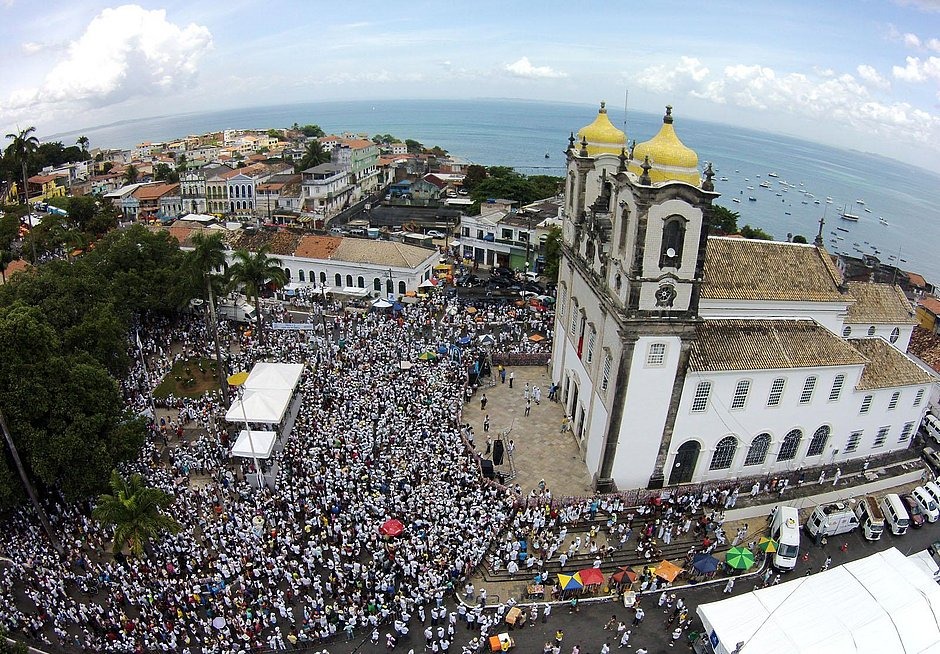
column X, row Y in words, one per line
column 932, row 304
column 925, row 345
column 317, row 247
column 916, row 280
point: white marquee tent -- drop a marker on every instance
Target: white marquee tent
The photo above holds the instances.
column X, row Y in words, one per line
column 265, row 406
column 277, row 376
column 263, row 442
column 883, row 603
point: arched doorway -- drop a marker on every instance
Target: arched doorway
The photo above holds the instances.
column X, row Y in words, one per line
column 684, row 465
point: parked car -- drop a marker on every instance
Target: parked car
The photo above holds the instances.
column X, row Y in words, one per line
column 499, row 282
column 918, row 518
column 503, row 272
column 933, row 458
column 436, row 234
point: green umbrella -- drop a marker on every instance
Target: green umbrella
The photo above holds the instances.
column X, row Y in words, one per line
column 739, row 558
column 427, row 356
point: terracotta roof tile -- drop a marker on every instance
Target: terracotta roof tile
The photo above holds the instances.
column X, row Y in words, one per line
column 768, row 345
column 317, row 247
column 932, row 304
column 886, row 367
column 383, row 253
column 915, row 279
column 878, row 304
column 15, row 267
column 925, row 345
column 745, row 269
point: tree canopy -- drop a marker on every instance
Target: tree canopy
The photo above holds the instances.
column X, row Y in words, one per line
column 504, row 182
column 312, row 131
column 135, row 511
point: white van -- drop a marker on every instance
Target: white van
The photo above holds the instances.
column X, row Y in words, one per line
column 895, row 514
column 931, row 425
column 870, row 517
column 785, row 529
column 927, row 503
column 933, row 490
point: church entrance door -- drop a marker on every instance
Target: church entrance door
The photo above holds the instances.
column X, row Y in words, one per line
column 684, row 465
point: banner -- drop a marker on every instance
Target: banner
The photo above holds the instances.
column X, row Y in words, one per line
column 294, row 326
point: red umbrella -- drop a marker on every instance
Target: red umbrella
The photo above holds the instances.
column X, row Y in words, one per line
column 591, row 576
column 391, row 527
column 630, row 576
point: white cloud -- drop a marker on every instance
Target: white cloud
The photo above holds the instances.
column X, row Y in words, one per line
column 911, row 40
column 663, row 79
column 524, row 68
column 124, row 52
column 872, row 76
column 917, row 70
column 32, row 47
column 923, row 5
column 933, row 44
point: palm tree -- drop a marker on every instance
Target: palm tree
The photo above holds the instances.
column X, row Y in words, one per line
column 83, row 142
column 207, row 255
column 21, row 147
column 131, row 174
column 252, row 272
column 134, row 510
column 314, row 155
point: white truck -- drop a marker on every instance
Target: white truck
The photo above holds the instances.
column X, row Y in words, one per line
column 785, row 529
column 239, row 311
column 831, row 520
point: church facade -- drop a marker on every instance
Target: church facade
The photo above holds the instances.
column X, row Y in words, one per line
column 684, row 358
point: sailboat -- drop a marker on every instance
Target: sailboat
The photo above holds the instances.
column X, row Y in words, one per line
column 845, row 215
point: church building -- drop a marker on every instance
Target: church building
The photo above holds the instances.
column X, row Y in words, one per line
column 685, row 358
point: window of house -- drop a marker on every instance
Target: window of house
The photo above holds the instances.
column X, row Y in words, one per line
column 506, row 234
column 523, row 236
column 574, row 319
column 401, row 287
column 376, row 283
column 287, row 273
column 893, row 403
column 465, row 231
column 906, row 431
column 605, row 378
column 808, row 387
column 724, row 453
column 776, row 391
column 323, row 278
column 866, row 404
column 656, row 354
column 339, row 279
column 300, row 275
column 791, row 443
column 919, row 397
column 702, row 392
column 846, row 331
column 881, row 437
column 757, row 452
column 592, row 339
column 349, row 280
column 895, row 335
column 818, row 444
column 854, row 439
column 562, row 292
column 361, row 282
column 836, row 388
column 871, row 330
column 480, row 234
column 740, row 394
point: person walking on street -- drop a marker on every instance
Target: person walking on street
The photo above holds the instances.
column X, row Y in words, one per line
column 827, row 563
column 546, row 611
column 624, row 639
column 512, row 375
column 638, row 618
column 486, row 423
column 729, row 586
column 612, row 623
column 483, row 402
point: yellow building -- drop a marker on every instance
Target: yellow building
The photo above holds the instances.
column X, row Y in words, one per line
column 49, row 186
column 927, row 311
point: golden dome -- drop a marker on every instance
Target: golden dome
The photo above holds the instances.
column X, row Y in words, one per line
column 671, row 160
column 601, row 135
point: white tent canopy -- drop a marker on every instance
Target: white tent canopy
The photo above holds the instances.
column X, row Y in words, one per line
column 262, row 406
column 277, row 376
column 883, row 603
column 263, row 442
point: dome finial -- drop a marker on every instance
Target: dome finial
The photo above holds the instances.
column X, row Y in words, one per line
column 668, row 117
column 647, row 167
column 584, row 151
column 603, row 109
column 571, row 140
column 708, row 185
column 622, row 168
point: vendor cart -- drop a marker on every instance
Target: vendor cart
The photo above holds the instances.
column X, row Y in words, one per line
column 501, row 643
column 629, row 599
column 515, row 617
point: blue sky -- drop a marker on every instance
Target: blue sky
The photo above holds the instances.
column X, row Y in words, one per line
column 863, row 74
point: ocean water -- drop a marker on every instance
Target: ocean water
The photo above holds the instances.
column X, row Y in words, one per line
column 520, row 134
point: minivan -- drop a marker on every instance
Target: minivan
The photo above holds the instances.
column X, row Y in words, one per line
column 785, row 529
column 932, row 427
column 870, row 517
column 895, row 514
column 933, row 491
column 927, row 503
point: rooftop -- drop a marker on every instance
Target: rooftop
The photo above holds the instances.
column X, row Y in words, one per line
column 317, row 247
column 383, row 253
column 925, row 345
column 878, row 304
column 931, row 304
column 724, row 345
column 745, row 269
column 886, row 367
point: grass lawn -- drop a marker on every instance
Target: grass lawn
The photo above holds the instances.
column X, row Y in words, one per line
column 177, row 381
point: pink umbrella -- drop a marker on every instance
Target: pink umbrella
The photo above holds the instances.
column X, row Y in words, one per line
column 391, row 527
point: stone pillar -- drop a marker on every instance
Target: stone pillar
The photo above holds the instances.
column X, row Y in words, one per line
column 658, row 478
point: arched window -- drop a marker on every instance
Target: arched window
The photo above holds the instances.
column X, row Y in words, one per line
column 388, row 286
column 339, row 279
column 757, row 452
column 791, row 443
column 349, row 280
column 871, row 330
column 287, row 273
column 818, row 444
column 361, row 282
column 312, row 276
column 249, row 191
column 724, row 453
column 846, row 331
column 895, row 335
column 401, row 288
column 323, row 278
column 300, row 276
column 670, row 254
column 377, row 284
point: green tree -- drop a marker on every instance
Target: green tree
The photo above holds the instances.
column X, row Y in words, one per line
column 22, row 146
column 475, row 175
column 414, row 147
column 163, row 173
column 756, row 233
column 131, row 174
column 552, row 253
column 6, row 258
column 275, row 134
column 723, row 221
column 799, row 238
column 135, row 511
column 181, row 163
column 83, row 142
column 208, row 255
column 252, row 273
column 314, row 155
column 312, row 131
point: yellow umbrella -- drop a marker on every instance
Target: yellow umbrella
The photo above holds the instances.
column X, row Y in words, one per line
column 766, row 544
column 238, row 378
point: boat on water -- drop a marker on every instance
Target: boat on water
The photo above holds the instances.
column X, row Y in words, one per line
column 882, row 221
column 861, row 202
column 851, row 217
column 842, row 229
column 867, row 210
column 765, row 184
column 787, row 213
column 547, row 155
column 723, row 179
column 752, row 199
column 772, row 175
column 815, row 201
column 735, row 200
column 750, row 188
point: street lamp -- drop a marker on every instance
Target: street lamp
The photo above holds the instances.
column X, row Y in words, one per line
column 238, row 381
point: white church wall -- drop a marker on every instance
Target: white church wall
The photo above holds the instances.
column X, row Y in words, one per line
column 868, row 330
column 827, row 314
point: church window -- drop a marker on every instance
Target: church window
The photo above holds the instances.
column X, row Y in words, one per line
column 670, row 254
column 871, row 330
column 818, row 444
column 656, row 355
column 740, row 394
column 300, row 275
column 323, row 278
column 757, row 452
column 846, row 331
column 401, row 287
column 702, row 392
column 893, row 404
column 592, row 339
column 808, row 387
column 724, row 453
column 881, row 437
column 376, row 284
column 776, row 391
column 361, row 282
column 574, row 319
column 836, row 388
column 919, row 397
column 562, row 292
column 906, row 431
column 866, row 404
column 895, row 335
column 287, row 273
column 605, row 377
column 338, row 279
column 854, row 439
column 791, row 443
column 349, row 280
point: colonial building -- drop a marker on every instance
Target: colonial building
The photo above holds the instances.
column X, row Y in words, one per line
column 684, row 358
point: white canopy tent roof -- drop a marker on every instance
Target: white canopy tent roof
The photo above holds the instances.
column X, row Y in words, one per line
column 264, row 406
column 262, row 440
column 277, row 376
column 883, row 603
